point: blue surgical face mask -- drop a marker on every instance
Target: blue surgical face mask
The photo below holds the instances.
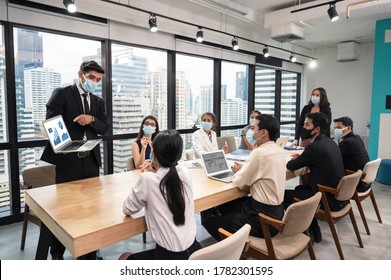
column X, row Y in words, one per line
column 88, row 85
column 149, row 130
column 250, row 137
column 338, row 132
column 206, row 126
column 250, row 121
column 315, row 99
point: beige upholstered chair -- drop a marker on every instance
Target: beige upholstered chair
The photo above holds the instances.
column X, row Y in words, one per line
column 293, row 237
column 230, row 248
column 344, row 191
column 34, row 178
column 131, row 166
column 368, row 177
column 230, row 142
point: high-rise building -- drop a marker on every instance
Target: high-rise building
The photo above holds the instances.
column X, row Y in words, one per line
column 233, row 112
column 39, row 84
column 206, row 99
column 242, row 85
column 265, row 90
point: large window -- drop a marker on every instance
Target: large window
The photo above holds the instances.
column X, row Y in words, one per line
column 194, row 89
column 3, row 107
column 234, row 94
column 43, row 62
column 268, row 94
column 289, row 93
column 265, row 90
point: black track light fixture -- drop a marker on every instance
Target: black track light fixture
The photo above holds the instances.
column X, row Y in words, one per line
column 266, row 51
column 292, row 57
column 235, row 43
column 200, row 35
column 333, row 14
column 152, row 23
column 70, row 5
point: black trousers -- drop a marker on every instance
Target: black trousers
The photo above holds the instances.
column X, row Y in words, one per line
column 235, row 214
column 160, row 253
column 82, row 168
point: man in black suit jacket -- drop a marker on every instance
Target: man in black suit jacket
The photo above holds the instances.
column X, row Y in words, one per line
column 85, row 117
column 323, row 158
column 352, row 147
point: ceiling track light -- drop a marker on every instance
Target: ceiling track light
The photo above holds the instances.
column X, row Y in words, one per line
column 200, row 35
column 266, row 51
column 333, row 14
column 235, row 43
column 152, row 23
column 70, row 5
column 292, row 57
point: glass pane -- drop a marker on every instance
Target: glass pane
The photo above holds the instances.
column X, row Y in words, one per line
column 234, row 93
column 39, row 69
column 4, row 179
column 139, row 87
column 187, row 144
column 3, row 105
column 122, row 151
column 288, row 130
column 194, row 89
column 265, row 90
column 288, row 96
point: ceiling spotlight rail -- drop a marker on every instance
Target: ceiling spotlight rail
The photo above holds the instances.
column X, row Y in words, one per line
column 200, row 30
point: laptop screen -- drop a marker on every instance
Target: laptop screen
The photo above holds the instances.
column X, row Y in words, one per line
column 215, row 162
column 57, row 132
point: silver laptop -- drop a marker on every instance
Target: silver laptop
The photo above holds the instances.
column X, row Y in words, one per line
column 216, row 166
column 281, row 142
column 60, row 139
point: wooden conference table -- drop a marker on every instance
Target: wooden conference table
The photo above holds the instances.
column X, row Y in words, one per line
column 86, row 215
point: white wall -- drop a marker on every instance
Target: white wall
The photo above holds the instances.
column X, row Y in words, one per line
column 348, row 84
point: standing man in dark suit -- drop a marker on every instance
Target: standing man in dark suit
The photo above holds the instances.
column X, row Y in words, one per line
column 324, row 160
column 85, row 117
column 352, row 147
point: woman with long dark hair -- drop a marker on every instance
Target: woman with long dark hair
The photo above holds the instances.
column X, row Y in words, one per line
column 318, row 103
column 167, row 196
column 141, row 148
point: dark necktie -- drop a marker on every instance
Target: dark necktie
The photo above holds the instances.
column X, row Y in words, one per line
column 85, row 104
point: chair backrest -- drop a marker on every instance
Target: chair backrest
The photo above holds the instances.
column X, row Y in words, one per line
column 299, row 215
column 230, row 248
column 370, row 170
column 230, row 142
column 347, row 186
column 130, row 164
column 190, row 154
column 39, row 176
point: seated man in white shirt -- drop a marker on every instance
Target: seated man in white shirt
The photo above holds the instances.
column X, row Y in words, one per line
column 264, row 174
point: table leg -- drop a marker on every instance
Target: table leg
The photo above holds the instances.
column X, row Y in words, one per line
column 43, row 243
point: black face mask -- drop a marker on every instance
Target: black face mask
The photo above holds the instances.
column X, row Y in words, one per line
column 306, row 133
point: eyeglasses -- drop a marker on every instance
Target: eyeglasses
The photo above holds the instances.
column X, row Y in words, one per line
column 150, row 123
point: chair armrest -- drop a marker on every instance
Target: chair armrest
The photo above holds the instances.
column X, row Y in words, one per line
column 271, row 221
column 327, row 189
column 224, row 234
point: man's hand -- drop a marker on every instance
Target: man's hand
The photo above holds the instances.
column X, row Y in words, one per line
column 83, row 119
column 236, row 167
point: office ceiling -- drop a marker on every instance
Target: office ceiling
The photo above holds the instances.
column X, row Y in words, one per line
column 317, row 29
column 261, row 21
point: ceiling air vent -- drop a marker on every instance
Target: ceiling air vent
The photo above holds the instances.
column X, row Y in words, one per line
column 287, row 33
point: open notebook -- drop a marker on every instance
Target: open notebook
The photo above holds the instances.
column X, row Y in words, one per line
column 216, row 166
column 60, row 139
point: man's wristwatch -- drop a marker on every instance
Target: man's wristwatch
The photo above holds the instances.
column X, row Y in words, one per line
column 93, row 120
